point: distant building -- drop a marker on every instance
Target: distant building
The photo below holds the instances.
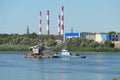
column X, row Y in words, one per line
column 114, row 37
column 83, row 34
column 105, row 37
column 87, row 34
column 90, row 37
column 118, row 37
column 98, row 37
column 71, row 35
column 102, row 37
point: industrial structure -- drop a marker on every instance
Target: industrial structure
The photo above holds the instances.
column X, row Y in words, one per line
column 40, row 23
column 47, row 23
column 62, row 21
column 59, row 25
column 71, row 35
column 27, row 29
column 104, row 37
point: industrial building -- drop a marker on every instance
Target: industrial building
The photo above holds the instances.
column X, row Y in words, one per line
column 114, row 37
column 102, row 37
column 90, row 37
column 105, row 37
column 71, row 35
column 98, row 37
column 119, row 37
column 84, row 34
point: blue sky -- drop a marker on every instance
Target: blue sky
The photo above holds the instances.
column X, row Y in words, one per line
column 81, row 15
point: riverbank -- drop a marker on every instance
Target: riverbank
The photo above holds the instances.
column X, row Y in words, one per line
column 70, row 52
column 24, row 48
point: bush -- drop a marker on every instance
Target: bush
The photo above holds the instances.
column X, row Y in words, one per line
column 8, row 47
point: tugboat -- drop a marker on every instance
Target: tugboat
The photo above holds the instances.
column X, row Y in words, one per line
column 65, row 54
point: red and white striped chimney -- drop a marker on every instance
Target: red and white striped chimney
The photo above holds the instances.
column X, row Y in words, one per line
column 47, row 23
column 62, row 21
column 59, row 26
column 40, row 23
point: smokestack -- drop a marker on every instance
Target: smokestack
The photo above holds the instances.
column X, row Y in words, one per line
column 59, row 26
column 47, row 23
column 62, row 21
column 40, row 23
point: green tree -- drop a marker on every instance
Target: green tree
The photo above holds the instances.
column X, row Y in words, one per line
column 33, row 35
column 94, row 44
column 112, row 32
column 108, row 43
column 51, row 42
column 1, row 41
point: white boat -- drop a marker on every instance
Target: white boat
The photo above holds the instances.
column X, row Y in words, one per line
column 66, row 53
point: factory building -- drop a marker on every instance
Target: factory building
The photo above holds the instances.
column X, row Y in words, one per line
column 118, row 37
column 71, row 35
column 114, row 37
column 105, row 37
column 98, row 37
column 102, row 37
column 83, row 34
column 90, row 37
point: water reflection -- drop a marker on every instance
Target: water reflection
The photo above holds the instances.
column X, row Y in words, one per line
column 65, row 59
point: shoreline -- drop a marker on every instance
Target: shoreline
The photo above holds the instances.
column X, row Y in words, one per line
column 73, row 52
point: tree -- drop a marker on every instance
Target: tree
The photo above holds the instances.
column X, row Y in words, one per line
column 1, row 41
column 108, row 43
column 83, row 44
column 33, row 35
column 112, row 32
column 94, row 44
column 51, row 42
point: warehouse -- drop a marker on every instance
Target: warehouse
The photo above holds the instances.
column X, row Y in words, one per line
column 71, row 35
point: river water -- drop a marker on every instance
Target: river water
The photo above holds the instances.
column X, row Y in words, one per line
column 13, row 66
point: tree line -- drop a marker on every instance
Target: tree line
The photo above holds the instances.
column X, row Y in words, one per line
column 17, row 42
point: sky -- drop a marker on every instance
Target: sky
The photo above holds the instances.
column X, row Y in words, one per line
column 81, row 15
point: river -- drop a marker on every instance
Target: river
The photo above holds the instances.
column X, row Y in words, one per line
column 13, row 66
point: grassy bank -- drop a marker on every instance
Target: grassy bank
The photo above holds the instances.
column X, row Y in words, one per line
column 14, row 47
column 98, row 50
column 8, row 47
